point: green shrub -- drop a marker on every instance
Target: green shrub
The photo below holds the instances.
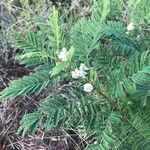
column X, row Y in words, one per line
column 105, row 63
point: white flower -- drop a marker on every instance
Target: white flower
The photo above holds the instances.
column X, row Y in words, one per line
column 83, row 67
column 138, row 37
column 79, row 73
column 130, row 26
column 75, row 73
column 88, row 87
column 63, row 54
column 83, row 74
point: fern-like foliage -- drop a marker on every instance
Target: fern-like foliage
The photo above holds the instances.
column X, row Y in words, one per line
column 139, row 130
column 117, row 68
column 34, row 83
column 139, row 11
column 93, row 118
column 89, row 35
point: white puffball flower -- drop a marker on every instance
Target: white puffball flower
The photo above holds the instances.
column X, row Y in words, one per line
column 83, row 67
column 79, row 73
column 75, row 73
column 83, row 74
column 130, row 26
column 88, row 87
column 63, row 54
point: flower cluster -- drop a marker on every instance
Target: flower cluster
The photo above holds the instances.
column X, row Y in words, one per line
column 130, row 26
column 77, row 73
column 63, row 54
column 80, row 73
column 88, row 87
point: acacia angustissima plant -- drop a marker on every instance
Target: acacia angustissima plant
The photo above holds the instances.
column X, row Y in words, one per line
column 106, row 60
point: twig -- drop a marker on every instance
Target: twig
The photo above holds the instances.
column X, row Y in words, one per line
column 71, row 138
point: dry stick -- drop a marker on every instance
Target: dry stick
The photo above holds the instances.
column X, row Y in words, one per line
column 71, row 138
column 80, row 137
column 35, row 102
column 57, row 136
column 39, row 139
column 16, row 7
column 13, row 120
column 3, row 81
column 14, row 143
column 11, row 143
column 11, row 113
